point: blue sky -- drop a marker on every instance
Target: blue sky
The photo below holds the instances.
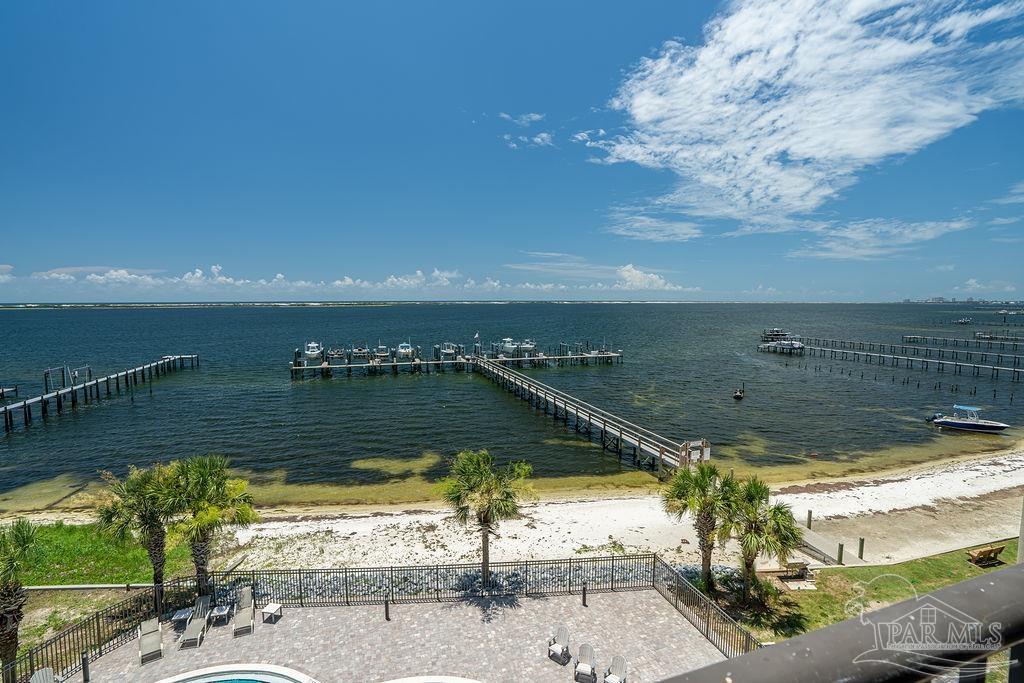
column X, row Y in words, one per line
column 753, row 150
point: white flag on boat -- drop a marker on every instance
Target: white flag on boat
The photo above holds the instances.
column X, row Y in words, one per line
column 476, row 336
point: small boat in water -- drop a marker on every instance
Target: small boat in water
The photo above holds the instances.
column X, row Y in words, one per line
column 963, row 321
column 527, row 346
column 314, row 351
column 774, row 334
column 405, row 351
column 360, row 352
column 382, row 353
column 965, row 418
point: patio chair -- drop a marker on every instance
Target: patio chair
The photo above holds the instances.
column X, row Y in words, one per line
column 245, row 620
column 585, row 670
column 43, row 676
column 196, row 628
column 151, row 644
column 149, row 626
column 245, row 597
column 558, row 646
column 616, row 673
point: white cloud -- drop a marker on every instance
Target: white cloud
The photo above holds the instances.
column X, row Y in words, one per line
column 5, row 272
column 522, row 119
column 945, row 268
column 543, row 139
column 632, row 278
column 875, row 238
column 1015, row 196
column 638, row 225
column 974, row 286
column 785, row 102
column 1005, row 220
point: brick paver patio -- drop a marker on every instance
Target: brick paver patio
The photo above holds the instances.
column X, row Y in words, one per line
column 489, row 641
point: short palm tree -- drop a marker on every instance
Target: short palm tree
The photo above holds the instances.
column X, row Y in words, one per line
column 135, row 511
column 480, row 493
column 203, row 499
column 15, row 544
column 704, row 494
column 760, row 527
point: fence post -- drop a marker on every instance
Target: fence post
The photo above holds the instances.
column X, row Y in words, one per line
column 584, row 593
column 85, row 667
column 613, row 572
column 346, row 587
column 570, row 576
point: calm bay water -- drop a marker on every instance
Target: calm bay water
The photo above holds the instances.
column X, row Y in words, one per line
column 682, row 363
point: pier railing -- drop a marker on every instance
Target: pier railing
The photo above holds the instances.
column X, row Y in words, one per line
column 615, row 432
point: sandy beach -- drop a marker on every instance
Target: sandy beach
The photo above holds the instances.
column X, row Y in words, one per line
column 902, row 515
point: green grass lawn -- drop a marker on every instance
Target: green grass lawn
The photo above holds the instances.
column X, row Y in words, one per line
column 76, row 554
column 800, row 611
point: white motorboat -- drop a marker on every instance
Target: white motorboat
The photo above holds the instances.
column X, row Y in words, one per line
column 405, row 351
column 449, row 351
column 314, row 351
column 774, row 334
column 360, row 352
column 382, row 353
column 527, row 346
column 966, row 419
column 508, row 346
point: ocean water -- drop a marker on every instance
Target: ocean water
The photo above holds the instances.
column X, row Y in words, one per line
column 682, row 363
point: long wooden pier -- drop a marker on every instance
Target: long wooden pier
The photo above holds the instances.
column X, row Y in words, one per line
column 922, row 363
column 965, row 355
column 989, row 343
column 92, row 390
column 455, row 364
column 645, row 448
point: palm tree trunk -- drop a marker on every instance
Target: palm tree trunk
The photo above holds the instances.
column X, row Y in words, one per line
column 748, row 575
column 156, row 548
column 12, row 604
column 705, row 524
column 8, row 653
column 201, row 559
column 485, row 567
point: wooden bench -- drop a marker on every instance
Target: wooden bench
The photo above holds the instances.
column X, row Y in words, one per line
column 987, row 556
column 797, row 570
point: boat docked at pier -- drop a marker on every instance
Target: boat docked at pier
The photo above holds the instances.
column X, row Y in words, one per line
column 314, row 351
column 511, row 347
column 405, row 351
column 775, row 334
column 382, row 353
column 966, row 419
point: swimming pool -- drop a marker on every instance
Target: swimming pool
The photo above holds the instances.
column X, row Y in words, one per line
column 242, row 673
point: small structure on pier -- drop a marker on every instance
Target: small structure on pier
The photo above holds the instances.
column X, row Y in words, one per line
column 785, row 346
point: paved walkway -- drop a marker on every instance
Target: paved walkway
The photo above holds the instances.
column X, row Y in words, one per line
column 485, row 641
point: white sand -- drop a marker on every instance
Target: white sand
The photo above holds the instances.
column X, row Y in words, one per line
column 570, row 528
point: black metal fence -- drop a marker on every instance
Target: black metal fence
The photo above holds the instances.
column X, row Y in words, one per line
column 717, row 626
column 100, row 632
column 115, row 625
column 432, row 583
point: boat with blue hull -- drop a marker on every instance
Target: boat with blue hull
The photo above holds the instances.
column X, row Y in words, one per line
column 966, row 419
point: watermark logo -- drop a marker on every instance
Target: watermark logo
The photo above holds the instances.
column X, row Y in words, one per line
column 918, row 638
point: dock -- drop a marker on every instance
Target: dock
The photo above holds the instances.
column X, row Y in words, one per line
column 922, row 363
column 964, row 355
column 647, row 449
column 772, row 347
column 94, row 389
column 979, row 342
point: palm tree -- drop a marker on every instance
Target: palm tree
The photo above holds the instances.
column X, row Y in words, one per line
column 704, row 494
column 485, row 495
column 760, row 527
column 15, row 543
column 136, row 511
column 203, row 499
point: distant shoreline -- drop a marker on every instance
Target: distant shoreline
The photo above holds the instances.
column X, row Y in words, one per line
column 434, row 302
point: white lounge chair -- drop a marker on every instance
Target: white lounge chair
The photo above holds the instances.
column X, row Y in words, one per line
column 616, row 673
column 245, row 621
column 43, row 676
column 151, row 642
column 196, row 628
column 558, row 646
column 585, row 670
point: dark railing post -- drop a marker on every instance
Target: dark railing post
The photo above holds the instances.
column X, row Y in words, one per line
column 85, row 667
column 387, row 609
column 584, row 593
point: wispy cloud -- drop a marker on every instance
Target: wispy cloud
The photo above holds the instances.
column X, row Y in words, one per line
column 1005, row 220
column 5, row 272
column 1014, row 196
column 639, row 224
column 975, row 286
column 523, row 120
column 626, row 277
column 876, row 238
column 542, row 139
column 785, row 102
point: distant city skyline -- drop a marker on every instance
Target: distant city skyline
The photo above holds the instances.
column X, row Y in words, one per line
column 740, row 151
